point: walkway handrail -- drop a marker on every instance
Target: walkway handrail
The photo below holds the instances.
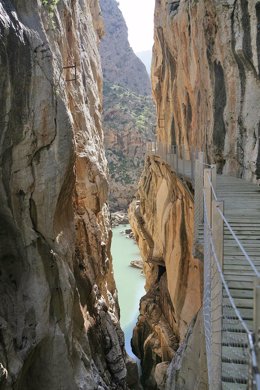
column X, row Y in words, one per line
column 189, row 162
column 209, row 306
column 233, row 233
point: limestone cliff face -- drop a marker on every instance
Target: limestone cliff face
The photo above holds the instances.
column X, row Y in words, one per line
column 128, row 125
column 162, row 221
column 206, row 79
column 58, row 306
column 129, row 112
column 117, row 54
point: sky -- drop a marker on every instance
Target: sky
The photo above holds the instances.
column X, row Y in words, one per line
column 139, row 19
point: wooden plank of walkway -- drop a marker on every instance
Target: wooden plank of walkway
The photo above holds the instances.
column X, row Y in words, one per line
column 242, row 210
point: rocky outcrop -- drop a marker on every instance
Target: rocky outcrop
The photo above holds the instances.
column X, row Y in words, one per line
column 58, row 309
column 162, row 222
column 129, row 113
column 120, row 64
column 206, row 80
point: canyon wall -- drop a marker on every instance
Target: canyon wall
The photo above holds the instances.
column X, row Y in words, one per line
column 58, row 309
column 162, row 221
column 129, row 112
column 205, row 81
column 206, row 67
column 119, row 62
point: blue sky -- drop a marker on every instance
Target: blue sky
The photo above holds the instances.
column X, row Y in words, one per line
column 139, row 18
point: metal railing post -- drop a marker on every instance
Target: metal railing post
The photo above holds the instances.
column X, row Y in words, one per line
column 216, row 292
column 214, row 176
column 208, row 193
column 198, row 196
column 257, row 319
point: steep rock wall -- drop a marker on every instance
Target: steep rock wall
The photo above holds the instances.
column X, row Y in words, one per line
column 117, row 54
column 206, row 80
column 58, row 306
column 128, row 125
column 129, row 112
column 162, row 222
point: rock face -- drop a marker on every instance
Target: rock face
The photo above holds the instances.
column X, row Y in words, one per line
column 129, row 113
column 128, row 125
column 162, row 221
column 120, row 64
column 58, row 306
column 206, row 80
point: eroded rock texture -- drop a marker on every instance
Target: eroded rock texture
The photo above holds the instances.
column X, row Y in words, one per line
column 162, row 221
column 129, row 112
column 206, row 79
column 58, row 305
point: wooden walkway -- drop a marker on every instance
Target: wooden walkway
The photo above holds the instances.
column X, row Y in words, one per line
column 242, row 211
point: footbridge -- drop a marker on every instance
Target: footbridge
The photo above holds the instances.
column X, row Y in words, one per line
column 227, row 232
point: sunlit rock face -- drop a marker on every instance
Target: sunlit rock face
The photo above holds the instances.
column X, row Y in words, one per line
column 206, row 80
column 129, row 112
column 162, row 221
column 58, row 306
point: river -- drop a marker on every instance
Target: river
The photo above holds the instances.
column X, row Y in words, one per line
column 129, row 282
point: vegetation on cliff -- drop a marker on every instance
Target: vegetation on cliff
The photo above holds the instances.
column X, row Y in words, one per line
column 129, row 123
column 129, row 113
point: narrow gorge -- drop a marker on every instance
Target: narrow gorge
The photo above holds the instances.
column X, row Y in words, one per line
column 129, row 111
column 84, row 134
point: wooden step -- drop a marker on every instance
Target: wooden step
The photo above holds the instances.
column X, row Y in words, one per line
column 235, row 355
column 240, row 285
column 236, row 373
column 238, row 293
column 233, row 386
column 246, row 314
column 240, row 302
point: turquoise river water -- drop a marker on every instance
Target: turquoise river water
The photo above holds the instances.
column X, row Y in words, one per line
column 129, row 281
